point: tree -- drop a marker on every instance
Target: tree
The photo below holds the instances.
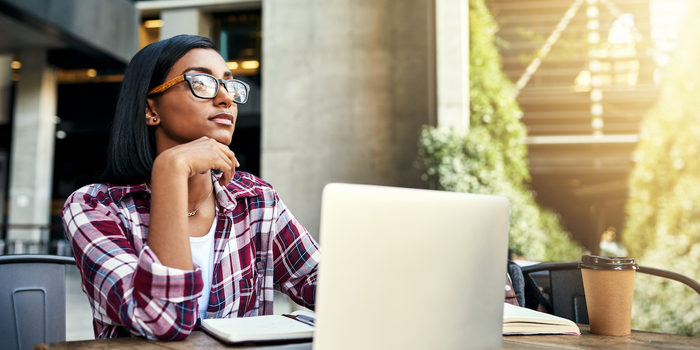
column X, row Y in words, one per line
column 663, row 227
column 490, row 158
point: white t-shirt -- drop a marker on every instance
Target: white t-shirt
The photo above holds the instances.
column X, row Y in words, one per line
column 203, row 255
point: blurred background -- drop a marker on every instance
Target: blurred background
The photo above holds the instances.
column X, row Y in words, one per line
column 557, row 104
column 583, row 106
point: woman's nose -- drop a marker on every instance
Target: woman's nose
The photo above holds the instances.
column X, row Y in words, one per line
column 224, row 96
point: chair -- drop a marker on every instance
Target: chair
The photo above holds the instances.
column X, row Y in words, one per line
column 564, row 284
column 32, row 300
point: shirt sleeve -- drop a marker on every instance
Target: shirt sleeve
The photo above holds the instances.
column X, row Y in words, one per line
column 126, row 288
column 296, row 258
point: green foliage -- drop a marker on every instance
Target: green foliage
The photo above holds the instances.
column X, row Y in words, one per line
column 490, row 158
column 663, row 228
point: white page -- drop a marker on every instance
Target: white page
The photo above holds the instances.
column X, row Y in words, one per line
column 512, row 313
column 258, row 328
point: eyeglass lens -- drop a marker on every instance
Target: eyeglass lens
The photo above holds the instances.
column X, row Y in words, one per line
column 205, row 86
column 238, row 91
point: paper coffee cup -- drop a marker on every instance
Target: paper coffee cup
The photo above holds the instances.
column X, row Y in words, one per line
column 609, row 286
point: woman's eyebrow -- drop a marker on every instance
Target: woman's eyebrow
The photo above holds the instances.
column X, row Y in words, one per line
column 199, row 69
column 227, row 74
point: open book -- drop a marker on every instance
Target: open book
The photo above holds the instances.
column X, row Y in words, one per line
column 520, row 320
column 296, row 326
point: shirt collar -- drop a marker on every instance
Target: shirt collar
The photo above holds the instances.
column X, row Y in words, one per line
column 241, row 186
column 118, row 192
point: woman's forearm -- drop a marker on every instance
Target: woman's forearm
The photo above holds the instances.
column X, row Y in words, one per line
column 121, row 283
column 167, row 233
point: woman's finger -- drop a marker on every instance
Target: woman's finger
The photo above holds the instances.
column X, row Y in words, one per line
column 227, row 171
column 231, row 156
column 205, row 154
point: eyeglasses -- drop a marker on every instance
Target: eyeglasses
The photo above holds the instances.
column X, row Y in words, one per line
column 207, row 86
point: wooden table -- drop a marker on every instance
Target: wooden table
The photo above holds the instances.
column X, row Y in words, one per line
column 200, row 340
column 196, row 340
column 636, row 340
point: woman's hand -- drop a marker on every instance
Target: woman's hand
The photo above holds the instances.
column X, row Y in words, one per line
column 198, row 157
column 179, row 174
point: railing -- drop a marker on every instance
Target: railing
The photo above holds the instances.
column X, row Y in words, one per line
column 34, row 246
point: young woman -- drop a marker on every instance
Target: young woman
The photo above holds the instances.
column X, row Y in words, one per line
column 174, row 234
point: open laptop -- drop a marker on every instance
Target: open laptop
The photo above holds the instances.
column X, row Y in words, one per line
column 410, row 269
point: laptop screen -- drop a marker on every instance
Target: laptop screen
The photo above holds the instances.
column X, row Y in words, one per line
column 410, row 269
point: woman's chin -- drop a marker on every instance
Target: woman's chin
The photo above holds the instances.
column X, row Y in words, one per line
column 223, row 138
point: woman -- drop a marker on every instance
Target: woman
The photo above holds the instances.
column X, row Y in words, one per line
column 174, row 234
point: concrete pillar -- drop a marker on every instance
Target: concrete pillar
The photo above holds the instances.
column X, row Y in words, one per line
column 32, row 146
column 184, row 21
column 452, row 57
column 346, row 89
column 5, row 87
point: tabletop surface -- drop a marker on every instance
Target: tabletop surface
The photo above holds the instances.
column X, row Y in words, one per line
column 200, row 340
column 636, row 340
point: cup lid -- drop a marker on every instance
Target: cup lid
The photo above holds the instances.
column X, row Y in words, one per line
column 595, row 262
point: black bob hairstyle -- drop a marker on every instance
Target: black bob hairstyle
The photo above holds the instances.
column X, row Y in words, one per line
column 132, row 149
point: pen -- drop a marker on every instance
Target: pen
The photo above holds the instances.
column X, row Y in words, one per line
column 301, row 318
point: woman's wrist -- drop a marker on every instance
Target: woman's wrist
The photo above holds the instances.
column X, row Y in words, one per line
column 167, row 164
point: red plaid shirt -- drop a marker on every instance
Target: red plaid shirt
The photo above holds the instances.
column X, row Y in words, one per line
column 259, row 246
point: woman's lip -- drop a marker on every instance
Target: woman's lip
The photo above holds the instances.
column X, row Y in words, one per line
column 223, row 118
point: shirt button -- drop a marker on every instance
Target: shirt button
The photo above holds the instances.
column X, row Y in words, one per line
column 507, row 288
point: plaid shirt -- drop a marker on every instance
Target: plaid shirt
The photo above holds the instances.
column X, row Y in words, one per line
column 259, row 246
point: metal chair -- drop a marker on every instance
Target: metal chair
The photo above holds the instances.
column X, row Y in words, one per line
column 564, row 285
column 32, row 300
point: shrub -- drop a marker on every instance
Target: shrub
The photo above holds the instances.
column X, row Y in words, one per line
column 663, row 211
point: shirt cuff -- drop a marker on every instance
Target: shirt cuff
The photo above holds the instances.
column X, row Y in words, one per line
column 166, row 283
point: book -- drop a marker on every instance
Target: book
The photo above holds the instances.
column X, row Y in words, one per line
column 295, row 326
column 522, row 321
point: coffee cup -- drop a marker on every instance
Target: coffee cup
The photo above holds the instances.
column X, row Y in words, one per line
column 609, row 286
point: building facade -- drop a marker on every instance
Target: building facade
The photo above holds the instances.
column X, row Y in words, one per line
column 340, row 91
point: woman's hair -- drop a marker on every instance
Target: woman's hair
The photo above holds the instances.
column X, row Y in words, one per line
column 132, row 149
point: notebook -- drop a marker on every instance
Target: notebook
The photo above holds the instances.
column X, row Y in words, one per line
column 410, row 269
column 523, row 321
column 297, row 326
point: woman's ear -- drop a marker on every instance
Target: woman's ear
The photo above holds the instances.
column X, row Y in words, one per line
column 152, row 118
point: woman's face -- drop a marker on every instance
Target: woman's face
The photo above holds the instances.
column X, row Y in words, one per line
column 181, row 116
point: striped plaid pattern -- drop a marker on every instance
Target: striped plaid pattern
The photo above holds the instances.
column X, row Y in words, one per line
column 259, row 246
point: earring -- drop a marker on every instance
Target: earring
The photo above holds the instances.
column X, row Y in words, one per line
column 155, row 119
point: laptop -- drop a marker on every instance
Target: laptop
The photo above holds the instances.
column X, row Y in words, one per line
column 410, row 269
